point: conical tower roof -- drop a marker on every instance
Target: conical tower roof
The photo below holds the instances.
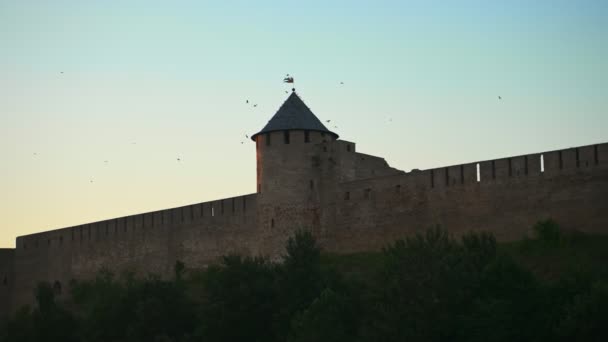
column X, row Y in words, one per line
column 294, row 115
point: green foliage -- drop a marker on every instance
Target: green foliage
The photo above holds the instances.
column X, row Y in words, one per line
column 428, row 287
column 547, row 231
column 47, row 322
column 585, row 318
column 240, row 301
column 331, row 317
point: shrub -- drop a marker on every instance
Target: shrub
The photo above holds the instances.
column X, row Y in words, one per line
column 547, row 231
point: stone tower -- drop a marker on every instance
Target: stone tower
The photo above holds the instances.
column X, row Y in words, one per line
column 289, row 173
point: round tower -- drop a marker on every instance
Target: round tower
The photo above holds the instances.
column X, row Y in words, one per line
column 288, row 152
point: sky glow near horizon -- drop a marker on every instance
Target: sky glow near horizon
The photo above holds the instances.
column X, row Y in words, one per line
column 147, row 82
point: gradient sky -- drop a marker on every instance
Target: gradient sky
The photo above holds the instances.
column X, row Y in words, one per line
column 147, row 82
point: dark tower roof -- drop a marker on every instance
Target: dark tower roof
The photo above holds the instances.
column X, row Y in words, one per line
column 294, row 115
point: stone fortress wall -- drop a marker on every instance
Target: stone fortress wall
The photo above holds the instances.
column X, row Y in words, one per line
column 307, row 179
column 505, row 196
column 145, row 243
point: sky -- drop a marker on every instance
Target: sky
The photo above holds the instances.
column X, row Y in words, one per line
column 98, row 99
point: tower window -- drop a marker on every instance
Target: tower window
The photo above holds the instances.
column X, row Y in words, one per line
column 347, row 195
column 367, row 193
column 271, row 223
column 268, row 139
column 312, row 184
column 348, row 148
column 286, row 137
column 306, row 136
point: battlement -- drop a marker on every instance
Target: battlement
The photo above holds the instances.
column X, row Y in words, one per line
column 506, row 196
column 211, row 212
column 546, row 164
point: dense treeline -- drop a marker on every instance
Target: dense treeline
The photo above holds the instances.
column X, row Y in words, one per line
column 430, row 287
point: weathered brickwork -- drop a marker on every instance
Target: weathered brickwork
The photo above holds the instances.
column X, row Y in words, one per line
column 308, row 179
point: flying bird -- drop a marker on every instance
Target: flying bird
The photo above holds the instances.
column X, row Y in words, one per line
column 255, row 105
column 327, row 120
column 246, row 136
column 179, row 159
column 500, row 98
column 341, row 82
column 286, row 92
column 241, row 143
column 246, row 101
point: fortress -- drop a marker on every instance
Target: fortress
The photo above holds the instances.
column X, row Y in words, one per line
column 309, row 179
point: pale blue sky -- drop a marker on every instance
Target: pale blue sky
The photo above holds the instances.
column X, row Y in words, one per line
column 172, row 77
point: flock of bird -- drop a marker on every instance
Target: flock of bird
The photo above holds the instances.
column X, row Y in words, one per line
column 178, row 159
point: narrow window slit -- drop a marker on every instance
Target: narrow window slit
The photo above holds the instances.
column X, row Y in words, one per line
column 461, row 174
column 478, row 172
column 542, row 163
